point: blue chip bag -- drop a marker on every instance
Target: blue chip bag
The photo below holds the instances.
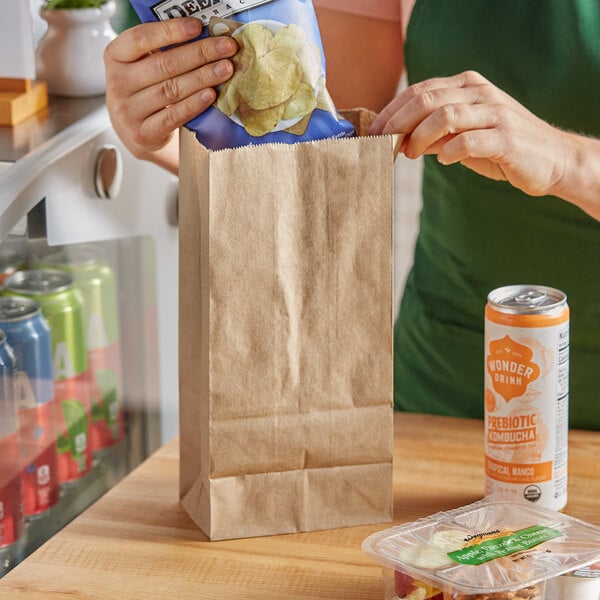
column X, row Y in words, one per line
column 277, row 92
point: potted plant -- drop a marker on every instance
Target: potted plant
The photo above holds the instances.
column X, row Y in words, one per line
column 69, row 4
column 70, row 55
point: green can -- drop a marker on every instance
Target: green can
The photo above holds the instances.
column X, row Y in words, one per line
column 96, row 280
column 62, row 305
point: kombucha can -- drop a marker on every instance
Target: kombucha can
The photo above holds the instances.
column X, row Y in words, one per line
column 62, row 305
column 12, row 525
column 28, row 334
column 527, row 394
column 96, row 280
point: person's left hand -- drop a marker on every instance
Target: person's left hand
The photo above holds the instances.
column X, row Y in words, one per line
column 467, row 119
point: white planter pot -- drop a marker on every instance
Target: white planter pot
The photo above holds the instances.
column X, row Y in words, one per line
column 69, row 58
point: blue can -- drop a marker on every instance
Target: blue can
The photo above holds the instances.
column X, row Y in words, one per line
column 8, row 413
column 28, row 334
column 11, row 489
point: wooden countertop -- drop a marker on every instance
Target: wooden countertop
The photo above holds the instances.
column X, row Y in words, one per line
column 138, row 543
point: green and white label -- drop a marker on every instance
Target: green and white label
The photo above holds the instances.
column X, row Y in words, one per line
column 490, row 549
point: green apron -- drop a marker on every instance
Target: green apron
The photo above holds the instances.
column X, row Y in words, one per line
column 477, row 234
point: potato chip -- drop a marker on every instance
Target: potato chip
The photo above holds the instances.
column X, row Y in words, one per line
column 324, row 99
column 228, row 99
column 291, row 36
column 300, row 104
column 257, row 37
column 271, row 78
column 310, row 58
column 300, row 127
column 260, row 122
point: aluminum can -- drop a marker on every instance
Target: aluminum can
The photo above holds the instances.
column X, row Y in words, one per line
column 28, row 334
column 527, row 394
column 11, row 498
column 96, row 279
column 62, row 306
column 13, row 258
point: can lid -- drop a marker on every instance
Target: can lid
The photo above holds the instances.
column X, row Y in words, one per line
column 80, row 255
column 39, row 281
column 527, row 299
column 16, row 308
column 10, row 259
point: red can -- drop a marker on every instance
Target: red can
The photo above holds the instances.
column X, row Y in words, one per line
column 37, row 442
column 28, row 334
column 11, row 490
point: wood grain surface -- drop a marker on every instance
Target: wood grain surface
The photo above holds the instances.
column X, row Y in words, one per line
column 137, row 542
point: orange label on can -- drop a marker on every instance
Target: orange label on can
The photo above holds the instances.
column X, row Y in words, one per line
column 518, row 473
column 510, row 367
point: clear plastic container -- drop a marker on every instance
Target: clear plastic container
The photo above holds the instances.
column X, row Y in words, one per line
column 583, row 584
column 494, row 549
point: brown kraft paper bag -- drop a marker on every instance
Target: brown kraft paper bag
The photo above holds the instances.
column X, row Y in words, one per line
column 286, row 393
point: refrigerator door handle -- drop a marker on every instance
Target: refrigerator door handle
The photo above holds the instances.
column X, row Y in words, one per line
column 108, row 175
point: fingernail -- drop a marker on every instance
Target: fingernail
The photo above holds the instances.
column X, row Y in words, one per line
column 207, row 96
column 192, row 27
column 374, row 129
column 225, row 45
column 222, row 68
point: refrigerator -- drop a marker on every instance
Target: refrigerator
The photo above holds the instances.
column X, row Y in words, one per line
column 89, row 256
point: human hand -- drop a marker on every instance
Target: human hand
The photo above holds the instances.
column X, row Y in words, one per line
column 150, row 93
column 466, row 119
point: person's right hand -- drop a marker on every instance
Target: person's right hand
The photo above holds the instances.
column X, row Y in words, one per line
column 150, row 92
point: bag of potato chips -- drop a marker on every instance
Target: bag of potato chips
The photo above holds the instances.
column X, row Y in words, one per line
column 278, row 92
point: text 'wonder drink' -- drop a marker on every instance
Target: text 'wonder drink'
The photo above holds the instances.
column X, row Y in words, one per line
column 527, row 393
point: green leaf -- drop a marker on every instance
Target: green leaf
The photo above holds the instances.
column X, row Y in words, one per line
column 62, row 444
column 108, row 385
column 97, row 413
column 77, row 425
column 70, row 4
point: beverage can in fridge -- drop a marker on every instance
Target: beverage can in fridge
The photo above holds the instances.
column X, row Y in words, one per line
column 13, row 258
column 527, row 393
column 28, row 334
column 11, row 498
column 62, row 306
column 96, row 279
